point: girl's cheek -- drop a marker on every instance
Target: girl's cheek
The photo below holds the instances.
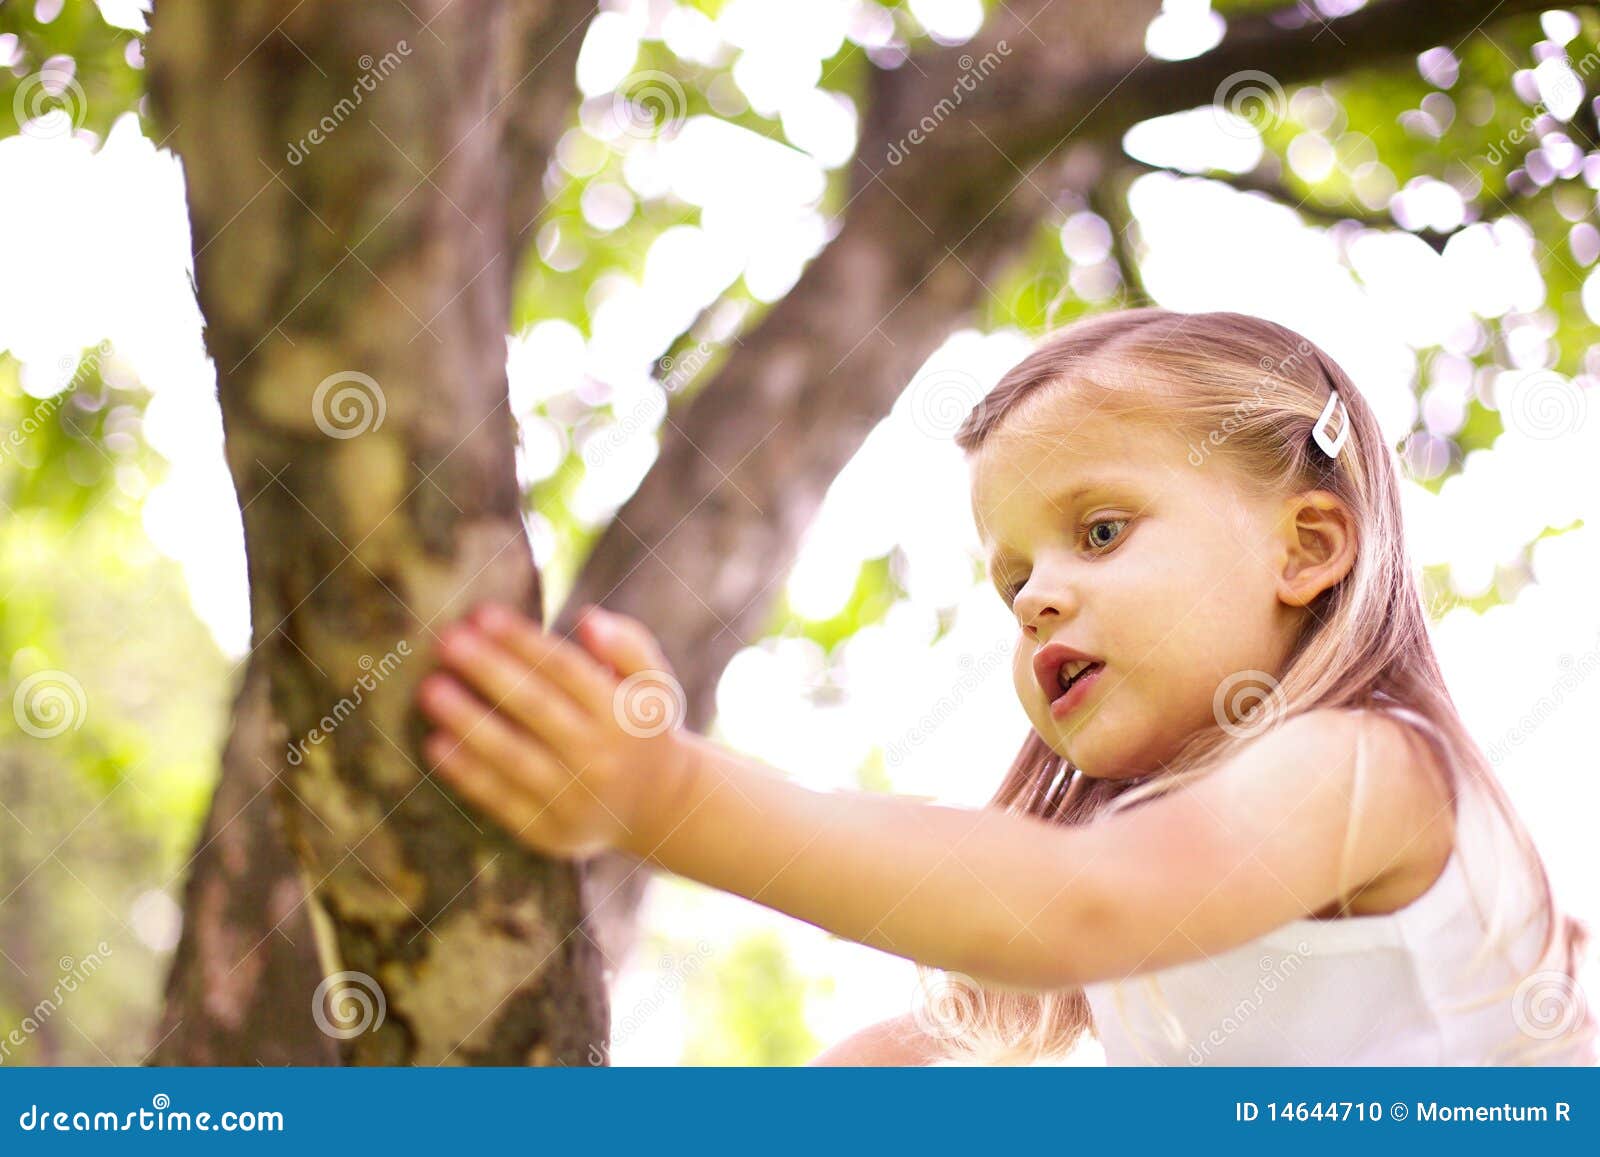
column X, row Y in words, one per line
column 1033, row 703
column 1022, row 678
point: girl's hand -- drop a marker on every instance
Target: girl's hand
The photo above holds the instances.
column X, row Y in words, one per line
column 574, row 750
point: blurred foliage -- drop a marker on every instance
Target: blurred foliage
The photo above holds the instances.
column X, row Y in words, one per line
column 70, row 450
column 1038, row 294
column 573, row 258
column 873, row 774
column 875, row 591
column 92, row 71
column 749, row 1009
column 118, row 701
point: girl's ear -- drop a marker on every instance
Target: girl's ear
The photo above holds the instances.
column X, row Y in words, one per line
column 1318, row 538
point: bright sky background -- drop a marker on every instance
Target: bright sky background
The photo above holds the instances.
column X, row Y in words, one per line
column 106, row 255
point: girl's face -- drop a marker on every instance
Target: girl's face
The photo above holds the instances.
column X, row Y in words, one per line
column 1104, row 537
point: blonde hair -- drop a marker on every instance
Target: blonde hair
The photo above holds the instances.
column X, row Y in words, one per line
column 1254, row 392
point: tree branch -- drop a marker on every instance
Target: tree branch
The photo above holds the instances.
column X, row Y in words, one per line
column 540, row 106
column 1030, row 115
column 1262, row 182
column 1109, row 198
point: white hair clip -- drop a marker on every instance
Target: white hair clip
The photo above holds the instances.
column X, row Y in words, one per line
column 1332, row 445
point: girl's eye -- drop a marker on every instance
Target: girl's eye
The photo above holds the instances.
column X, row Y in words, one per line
column 1105, row 532
column 1100, row 535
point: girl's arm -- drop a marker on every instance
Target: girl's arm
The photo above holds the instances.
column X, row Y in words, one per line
column 1283, row 830
column 1278, row 833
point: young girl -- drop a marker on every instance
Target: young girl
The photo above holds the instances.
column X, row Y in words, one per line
column 1247, row 825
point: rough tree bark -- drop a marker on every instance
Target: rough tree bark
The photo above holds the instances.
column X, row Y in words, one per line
column 356, row 300
column 246, row 935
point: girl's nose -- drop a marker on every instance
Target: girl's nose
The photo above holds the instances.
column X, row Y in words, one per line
column 1034, row 624
column 1037, row 611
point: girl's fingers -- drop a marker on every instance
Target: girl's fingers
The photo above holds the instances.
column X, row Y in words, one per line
column 517, row 756
column 525, row 693
column 622, row 642
column 481, row 784
column 568, row 666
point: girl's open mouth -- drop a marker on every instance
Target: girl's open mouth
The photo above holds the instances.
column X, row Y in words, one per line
column 1074, row 687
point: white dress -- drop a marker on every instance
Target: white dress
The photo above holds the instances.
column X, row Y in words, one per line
column 1396, row 988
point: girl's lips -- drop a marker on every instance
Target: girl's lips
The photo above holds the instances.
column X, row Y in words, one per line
column 1075, row 695
column 1048, row 662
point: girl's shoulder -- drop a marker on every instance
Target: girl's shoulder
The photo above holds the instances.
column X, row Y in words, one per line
column 1391, row 812
column 1309, row 813
column 1402, row 773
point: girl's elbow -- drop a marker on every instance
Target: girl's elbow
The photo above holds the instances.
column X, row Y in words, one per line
column 1061, row 948
column 1042, row 970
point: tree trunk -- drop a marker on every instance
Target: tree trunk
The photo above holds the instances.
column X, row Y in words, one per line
column 247, row 939
column 355, row 240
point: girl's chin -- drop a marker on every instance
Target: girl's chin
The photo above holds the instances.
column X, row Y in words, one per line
column 1073, row 741
column 1092, row 758
column 1076, row 752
